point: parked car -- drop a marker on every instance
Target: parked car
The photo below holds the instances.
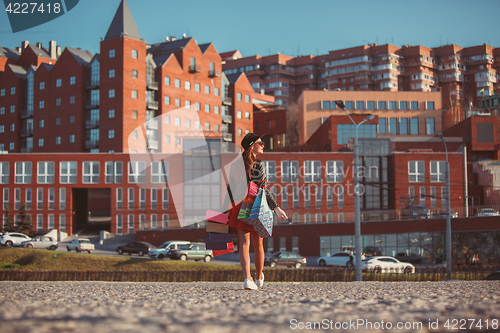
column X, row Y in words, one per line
column 411, row 258
column 10, row 239
column 285, row 258
column 381, row 264
column 337, row 259
column 41, row 242
column 415, row 212
column 487, row 212
column 161, row 251
column 80, row 244
column 442, row 214
column 196, row 251
column 140, row 248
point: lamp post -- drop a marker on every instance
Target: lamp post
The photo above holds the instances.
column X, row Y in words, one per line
column 357, row 211
column 448, row 211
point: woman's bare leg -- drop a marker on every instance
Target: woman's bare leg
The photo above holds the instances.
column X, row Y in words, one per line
column 259, row 255
column 244, row 252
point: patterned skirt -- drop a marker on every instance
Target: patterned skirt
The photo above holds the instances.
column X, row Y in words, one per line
column 234, row 223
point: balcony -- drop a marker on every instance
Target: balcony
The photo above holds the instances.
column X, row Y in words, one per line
column 227, row 119
column 152, row 85
column 227, row 137
column 91, row 84
column 92, row 104
column 227, row 101
column 152, row 124
column 27, row 150
column 152, row 144
column 90, row 144
column 26, row 132
column 194, row 69
column 92, row 123
column 214, row 73
column 153, row 105
column 26, row 113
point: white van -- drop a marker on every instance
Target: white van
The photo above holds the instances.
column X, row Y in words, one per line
column 161, row 251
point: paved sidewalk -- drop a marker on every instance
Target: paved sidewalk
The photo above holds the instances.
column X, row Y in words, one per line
column 224, row 307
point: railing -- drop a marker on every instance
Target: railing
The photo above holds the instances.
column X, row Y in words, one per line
column 214, row 73
column 152, row 124
column 152, row 105
column 227, row 119
column 227, row 101
column 152, row 144
column 89, row 144
column 27, row 150
column 194, row 68
column 27, row 132
column 26, row 113
column 93, row 123
column 91, row 104
column 153, row 85
column 227, row 137
column 92, row 84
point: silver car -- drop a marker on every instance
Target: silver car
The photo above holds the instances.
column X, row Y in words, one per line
column 41, row 242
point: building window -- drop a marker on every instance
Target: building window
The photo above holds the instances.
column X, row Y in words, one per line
column 119, row 198
column 71, row 119
column 187, row 85
column 165, row 198
column 382, row 125
column 416, row 171
column 238, row 115
column 238, row 96
column 392, row 105
column 207, row 108
column 45, row 173
column 58, row 102
column 11, row 146
column 422, row 195
column 207, row 89
column 207, row 127
column 216, row 91
column 111, row 114
column 414, row 128
column 429, row 106
column 12, row 109
column 58, row 82
column 114, row 172
column 177, row 83
column 197, row 106
column 39, row 221
column 430, row 126
column 360, row 105
column 349, row 105
column 111, row 134
column 177, row 121
column 247, row 115
column 112, row 53
column 166, row 100
column 335, row 171
column 381, row 105
column 403, row 105
column 270, row 167
column 62, row 222
column 62, row 198
column 134, row 93
column 2, row 110
column 111, row 93
column 91, row 172
column 135, row 54
column 58, row 121
column 247, row 98
column 41, row 104
column 136, row 172
column 58, row 140
column 393, row 125
column 159, row 172
column 51, row 198
column 51, row 221
column 154, row 199
column 68, row 172
column 166, row 80
column 403, row 126
column 340, row 198
column 178, row 102
column 240, row 132
column 307, row 197
column 413, row 105
column 197, row 87
column 4, row 172
column 134, row 114
column 111, row 73
column 130, row 223
column 130, row 198
column 23, row 173
column 312, row 171
column 142, row 198
column 438, row 171
column 433, row 197
column 135, row 74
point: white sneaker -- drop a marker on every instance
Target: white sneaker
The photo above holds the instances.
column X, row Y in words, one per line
column 258, row 282
column 250, row 285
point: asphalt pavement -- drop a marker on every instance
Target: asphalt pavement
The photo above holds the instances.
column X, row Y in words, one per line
column 226, row 307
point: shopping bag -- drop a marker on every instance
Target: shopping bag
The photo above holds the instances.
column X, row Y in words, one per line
column 246, row 207
column 217, row 227
column 230, row 249
column 261, row 217
column 215, row 216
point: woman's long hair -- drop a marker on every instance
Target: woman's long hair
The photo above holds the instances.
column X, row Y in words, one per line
column 249, row 159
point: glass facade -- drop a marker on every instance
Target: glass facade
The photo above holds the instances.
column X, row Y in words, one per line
column 346, row 132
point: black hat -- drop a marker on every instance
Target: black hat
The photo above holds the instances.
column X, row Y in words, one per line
column 249, row 140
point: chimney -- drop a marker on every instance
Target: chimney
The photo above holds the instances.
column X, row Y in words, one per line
column 25, row 44
column 173, row 38
column 167, row 39
column 52, row 49
column 183, row 36
column 39, row 45
column 58, row 51
column 18, row 49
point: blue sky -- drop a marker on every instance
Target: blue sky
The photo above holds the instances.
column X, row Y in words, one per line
column 293, row 27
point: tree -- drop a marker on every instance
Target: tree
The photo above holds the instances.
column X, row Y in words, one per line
column 25, row 225
column 8, row 223
column 292, row 124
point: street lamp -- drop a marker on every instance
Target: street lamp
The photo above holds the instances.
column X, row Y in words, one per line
column 357, row 211
column 448, row 212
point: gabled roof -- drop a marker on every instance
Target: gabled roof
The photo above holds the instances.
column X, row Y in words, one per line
column 47, row 66
column 18, row 71
column 9, row 53
column 39, row 52
column 168, row 47
column 230, row 55
column 204, row 47
column 83, row 57
column 123, row 24
column 234, row 77
column 161, row 60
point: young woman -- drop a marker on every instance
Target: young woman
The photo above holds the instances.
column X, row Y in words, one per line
column 255, row 171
